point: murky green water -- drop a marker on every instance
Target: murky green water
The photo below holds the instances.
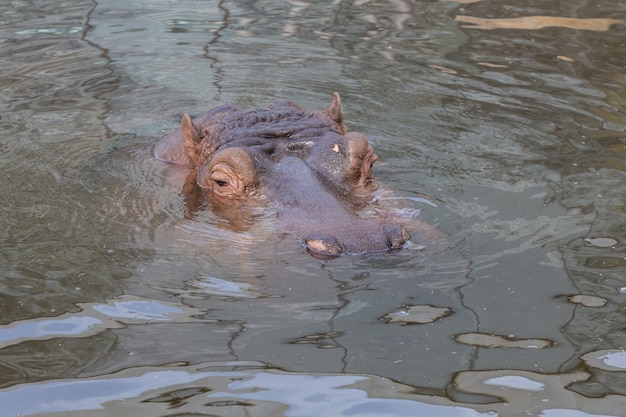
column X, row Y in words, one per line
column 502, row 124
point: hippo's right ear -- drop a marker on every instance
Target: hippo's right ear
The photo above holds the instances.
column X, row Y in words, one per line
column 334, row 111
column 191, row 139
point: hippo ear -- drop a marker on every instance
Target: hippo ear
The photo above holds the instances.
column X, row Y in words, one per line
column 191, row 138
column 334, row 111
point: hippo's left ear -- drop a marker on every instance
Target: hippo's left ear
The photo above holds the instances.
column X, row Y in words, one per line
column 191, row 139
column 334, row 111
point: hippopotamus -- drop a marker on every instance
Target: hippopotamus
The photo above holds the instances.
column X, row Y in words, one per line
column 314, row 174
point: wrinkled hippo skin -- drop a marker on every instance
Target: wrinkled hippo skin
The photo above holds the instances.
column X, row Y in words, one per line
column 302, row 164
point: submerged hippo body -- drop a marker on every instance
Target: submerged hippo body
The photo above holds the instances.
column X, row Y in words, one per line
column 304, row 165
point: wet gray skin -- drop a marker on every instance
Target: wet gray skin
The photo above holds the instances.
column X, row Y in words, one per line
column 303, row 164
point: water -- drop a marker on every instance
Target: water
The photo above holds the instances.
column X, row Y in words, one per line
column 507, row 137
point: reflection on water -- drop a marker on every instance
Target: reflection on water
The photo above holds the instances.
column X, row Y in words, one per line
column 511, row 141
column 253, row 389
column 610, row 360
column 95, row 318
column 537, row 22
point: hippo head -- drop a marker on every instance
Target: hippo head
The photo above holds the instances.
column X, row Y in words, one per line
column 313, row 173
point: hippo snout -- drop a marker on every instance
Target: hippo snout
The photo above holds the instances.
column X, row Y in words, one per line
column 397, row 235
column 390, row 237
column 323, row 246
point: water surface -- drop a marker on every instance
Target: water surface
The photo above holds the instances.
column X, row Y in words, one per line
column 501, row 124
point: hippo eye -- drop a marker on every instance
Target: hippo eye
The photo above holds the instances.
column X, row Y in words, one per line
column 225, row 180
column 229, row 174
column 361, row 159
column 369, row 160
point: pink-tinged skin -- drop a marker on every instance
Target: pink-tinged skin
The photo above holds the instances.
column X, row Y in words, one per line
column 305, row 165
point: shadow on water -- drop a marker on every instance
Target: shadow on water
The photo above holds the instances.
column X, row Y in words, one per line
column 502, row 125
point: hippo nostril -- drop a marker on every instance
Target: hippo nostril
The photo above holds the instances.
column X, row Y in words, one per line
column 323, row 246
column 396, row 235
